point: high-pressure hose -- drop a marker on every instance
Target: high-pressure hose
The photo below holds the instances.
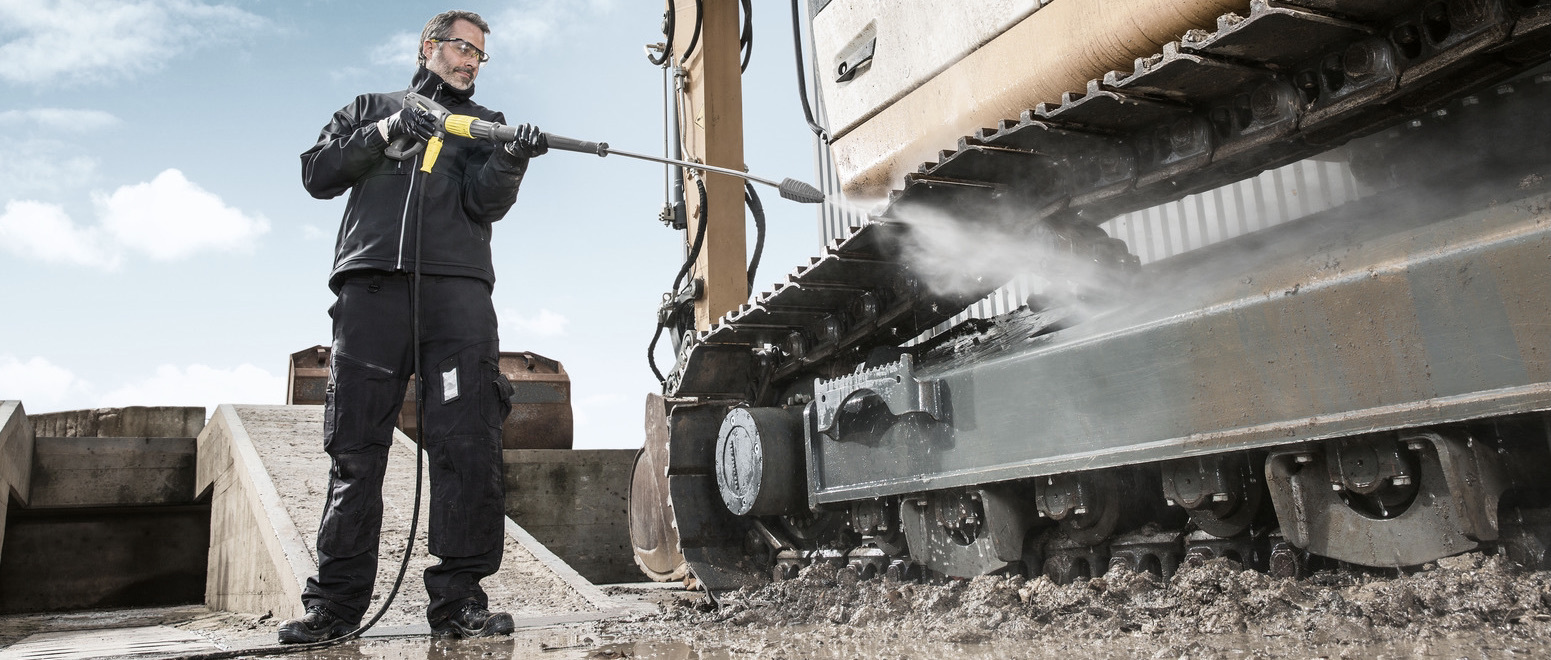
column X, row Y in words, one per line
column 758, row 209
column 667, row 44
column 746, row 38
column 695, row 37
column 689, row 262
column 802, row 82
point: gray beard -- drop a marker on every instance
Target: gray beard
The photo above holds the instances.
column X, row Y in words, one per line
column 439, row 66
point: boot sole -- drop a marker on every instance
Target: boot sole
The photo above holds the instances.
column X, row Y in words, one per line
column 290, row 635
column 500, row 624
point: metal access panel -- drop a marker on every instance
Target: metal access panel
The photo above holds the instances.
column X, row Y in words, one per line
column 1393, row 312
column 871, row 52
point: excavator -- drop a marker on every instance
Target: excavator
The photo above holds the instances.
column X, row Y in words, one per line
column 1114, row 284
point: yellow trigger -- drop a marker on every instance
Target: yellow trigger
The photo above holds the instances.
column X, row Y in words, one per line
column 433, row 148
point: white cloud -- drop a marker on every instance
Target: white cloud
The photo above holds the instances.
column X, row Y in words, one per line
column 545, row 324
column 167, row 218
column 199, row 385
column 171, row 217
column 42, row 386
column 39, row 384
column 107, row 39
column 46, row 233
column 68, row 120
column 398, row 51
column 524, row 27
column 530, row 25
column 316, row 233
column 33, row 167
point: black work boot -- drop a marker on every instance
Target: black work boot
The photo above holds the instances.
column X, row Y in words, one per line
column 317, row 625
column 474, row 620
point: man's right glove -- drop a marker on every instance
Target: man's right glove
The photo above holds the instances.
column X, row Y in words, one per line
column 409, row 121
column 530, row 143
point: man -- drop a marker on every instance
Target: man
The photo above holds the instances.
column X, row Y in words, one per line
column 401, row 220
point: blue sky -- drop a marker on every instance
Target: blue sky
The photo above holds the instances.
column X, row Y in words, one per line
column 157, row 248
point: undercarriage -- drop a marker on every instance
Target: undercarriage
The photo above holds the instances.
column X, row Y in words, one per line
column 1368, row 384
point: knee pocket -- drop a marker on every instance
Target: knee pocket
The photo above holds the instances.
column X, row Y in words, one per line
column 468, row 503
column 352, row 518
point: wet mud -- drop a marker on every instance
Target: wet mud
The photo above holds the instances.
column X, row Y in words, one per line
column 1469, row 606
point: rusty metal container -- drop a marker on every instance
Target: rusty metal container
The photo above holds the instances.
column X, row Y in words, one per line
column 541, row 403
column 307, row 377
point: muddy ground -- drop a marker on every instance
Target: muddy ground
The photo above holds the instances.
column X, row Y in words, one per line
column 1464, row 607
column 1470, row 606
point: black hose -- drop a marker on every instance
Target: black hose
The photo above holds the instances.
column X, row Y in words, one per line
column 694, row 250
column 695, row 38
column 802, row 84
column 758, row 209
column 694, row 253
column 667, row 44
column 746, row 40
column 414, row 520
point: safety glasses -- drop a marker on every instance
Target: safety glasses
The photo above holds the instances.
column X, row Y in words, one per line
column 465, row 49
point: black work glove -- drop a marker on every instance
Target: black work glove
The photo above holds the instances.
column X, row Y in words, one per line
column 410, row 121
column 530, row 143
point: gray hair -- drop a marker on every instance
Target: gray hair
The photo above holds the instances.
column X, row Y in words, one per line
column 440, row 27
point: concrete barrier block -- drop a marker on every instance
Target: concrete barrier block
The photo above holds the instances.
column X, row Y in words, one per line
column 575, row 503
column 258, row 560
column 130, row 422
column 84, row 472
column 16, row 442
column 15, row 458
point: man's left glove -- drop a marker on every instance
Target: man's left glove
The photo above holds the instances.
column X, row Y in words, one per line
column 530, row 143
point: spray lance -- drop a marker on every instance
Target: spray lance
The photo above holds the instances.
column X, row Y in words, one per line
column 466, row 126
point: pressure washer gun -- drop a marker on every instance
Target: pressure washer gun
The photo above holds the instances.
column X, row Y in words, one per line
column 406, row 147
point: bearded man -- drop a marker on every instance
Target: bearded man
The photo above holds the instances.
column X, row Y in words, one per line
column 415, row 244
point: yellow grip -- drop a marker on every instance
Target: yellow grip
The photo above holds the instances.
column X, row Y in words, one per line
column 459, row 125
column 433, row 148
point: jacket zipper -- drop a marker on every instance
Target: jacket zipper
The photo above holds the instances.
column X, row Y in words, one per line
column 409, row 195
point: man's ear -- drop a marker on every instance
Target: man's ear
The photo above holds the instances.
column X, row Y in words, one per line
column 426, row 47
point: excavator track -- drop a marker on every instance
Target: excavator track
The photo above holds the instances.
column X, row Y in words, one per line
column 1287, row 81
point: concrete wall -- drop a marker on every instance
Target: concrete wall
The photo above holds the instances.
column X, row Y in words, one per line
column 90, row 472
column 106, row 522
column 95, row 558
column 130, row 422
column 15, row 459
column 257, row 558
column 574, row 502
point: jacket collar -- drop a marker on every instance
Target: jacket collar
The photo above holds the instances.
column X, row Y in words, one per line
column 426, row 83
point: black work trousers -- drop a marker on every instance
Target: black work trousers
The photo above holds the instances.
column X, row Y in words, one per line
column 466, row 400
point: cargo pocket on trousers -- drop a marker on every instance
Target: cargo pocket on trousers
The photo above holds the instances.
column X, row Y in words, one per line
column 496, row 401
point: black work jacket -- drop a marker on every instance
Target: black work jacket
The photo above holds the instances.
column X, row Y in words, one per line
column 471, row 185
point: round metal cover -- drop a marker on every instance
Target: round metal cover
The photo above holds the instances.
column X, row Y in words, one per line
column 739, row 461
